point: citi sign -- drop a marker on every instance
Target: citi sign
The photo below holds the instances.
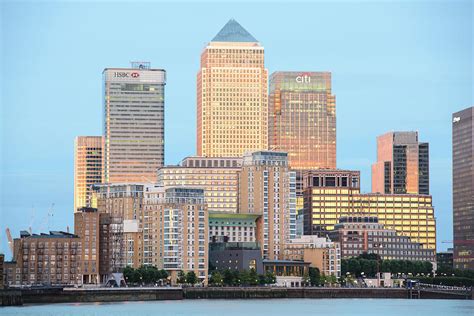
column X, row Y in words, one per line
column 126, row 75
column 303, row 78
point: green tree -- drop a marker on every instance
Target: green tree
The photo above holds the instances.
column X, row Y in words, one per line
column 314, row 276
column 191, row 278
column 253, row 277
column 181, row 277
column 216, row 278
column 262, row 280
column 270, row 278
column 244, row 277
column 228, row 277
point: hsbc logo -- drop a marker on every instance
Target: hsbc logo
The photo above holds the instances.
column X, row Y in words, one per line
column 303, row 78
column 126, row 75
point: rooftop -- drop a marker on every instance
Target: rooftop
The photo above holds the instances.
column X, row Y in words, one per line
column 233, row 32
column 52, row 234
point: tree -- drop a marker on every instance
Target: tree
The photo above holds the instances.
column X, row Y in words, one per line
column 253, row 277
column 216, row 278
column 181, row 278
column 228, row 277
column 191, row 278
column 262, row 280
column 244, row 278
column 270, row 278
column 314, row 276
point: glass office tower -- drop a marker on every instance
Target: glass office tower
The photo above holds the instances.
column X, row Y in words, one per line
column 232, row 105
column 463, row 189
column 133, row 123
column 302, row 118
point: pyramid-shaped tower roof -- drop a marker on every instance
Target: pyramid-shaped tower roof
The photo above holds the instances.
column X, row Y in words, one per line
column 233, row 32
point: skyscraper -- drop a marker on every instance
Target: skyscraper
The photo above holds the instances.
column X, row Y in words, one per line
column 302, row 118
column 267, row 187
column 232, row 105
column 463, row 188
column 88, row 158
column 133, row 123
column 402, row 164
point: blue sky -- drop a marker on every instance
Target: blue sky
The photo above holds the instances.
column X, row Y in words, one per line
column 396, row 65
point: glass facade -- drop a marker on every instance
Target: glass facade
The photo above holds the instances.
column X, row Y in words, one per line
column 463, row 188
column 133, row 124
column 302, row 118
column 232, row 95
column 402, row 164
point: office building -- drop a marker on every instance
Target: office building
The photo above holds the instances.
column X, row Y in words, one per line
column 302, row 118
column 232, row 95
column 332, row 194
column 217, row 176
column 176, row 230
column 88, row 159
column 463, row 188
column 133, row 123
column 267, row 188
column 86, row 226
column 402, row 164
column 2, row 273
column 233, row 227
column 320, row 252
column 240, row 256
column 444, row 261
column 364, row 234
column 288, row 273
column 46, row 259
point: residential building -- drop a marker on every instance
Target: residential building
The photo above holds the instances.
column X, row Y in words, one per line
column 88, row 161
column 364, row 234
column 239, row 256
column 123, row 227
column 86, row 226
column 302, row 118
column 217, row 176
column 320, row 252
column 46, row 259
column 176, row 230
column 330, row 195
column 444, row 260
column 2, row 260
column 11, row 274
column 463, row 188
column 232, row 95
column 134, row 116
column 402, row 164
column 267, row 187
column 235, row 227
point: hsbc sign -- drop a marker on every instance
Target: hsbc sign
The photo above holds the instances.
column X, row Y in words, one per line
column 123, row 74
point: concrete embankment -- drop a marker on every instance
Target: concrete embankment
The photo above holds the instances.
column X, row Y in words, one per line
column 49, row 296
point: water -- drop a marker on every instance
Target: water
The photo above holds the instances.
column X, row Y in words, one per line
column 274, row 307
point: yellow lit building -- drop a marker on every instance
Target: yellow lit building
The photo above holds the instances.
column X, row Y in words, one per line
column 332, row 194
column 232, row 95
column 87, row 169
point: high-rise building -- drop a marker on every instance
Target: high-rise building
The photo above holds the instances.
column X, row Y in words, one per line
column 332, row 194
column 364, row 234
column 267, row 187
column 302, row 118
column 463, row 188
column 176, row 230
column 217, row 176
column 232, row 95
column 88, row 159
column 402, row 164
column 133, row 123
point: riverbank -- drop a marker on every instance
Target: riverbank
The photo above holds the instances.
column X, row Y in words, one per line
column 50, row 296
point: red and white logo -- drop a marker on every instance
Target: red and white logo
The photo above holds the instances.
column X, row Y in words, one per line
column 135, row 74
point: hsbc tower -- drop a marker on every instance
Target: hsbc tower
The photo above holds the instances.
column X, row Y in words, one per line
column 133, row 126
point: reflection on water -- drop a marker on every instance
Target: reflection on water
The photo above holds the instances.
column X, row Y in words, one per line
column 274, row 307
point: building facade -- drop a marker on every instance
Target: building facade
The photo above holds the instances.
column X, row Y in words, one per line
column 364, row 234
column 232, row 95
column 402, row 164
column 267, row 187
column 86, row 226
column 302, row 118
column 463, row 188
column 240, row 256
column 2, row 271
column 88, row 160
column 176, row 230
column 233, row 227
column 134, row 131
column 320, row 252
column 328, row 197
column 46, row 259
column 217, row 176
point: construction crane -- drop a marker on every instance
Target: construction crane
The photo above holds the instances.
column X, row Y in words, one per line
column 10, row 240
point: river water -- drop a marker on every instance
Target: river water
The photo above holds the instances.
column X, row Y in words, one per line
column 260, row 307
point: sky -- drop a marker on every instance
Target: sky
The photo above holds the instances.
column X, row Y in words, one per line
column 396, row 66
